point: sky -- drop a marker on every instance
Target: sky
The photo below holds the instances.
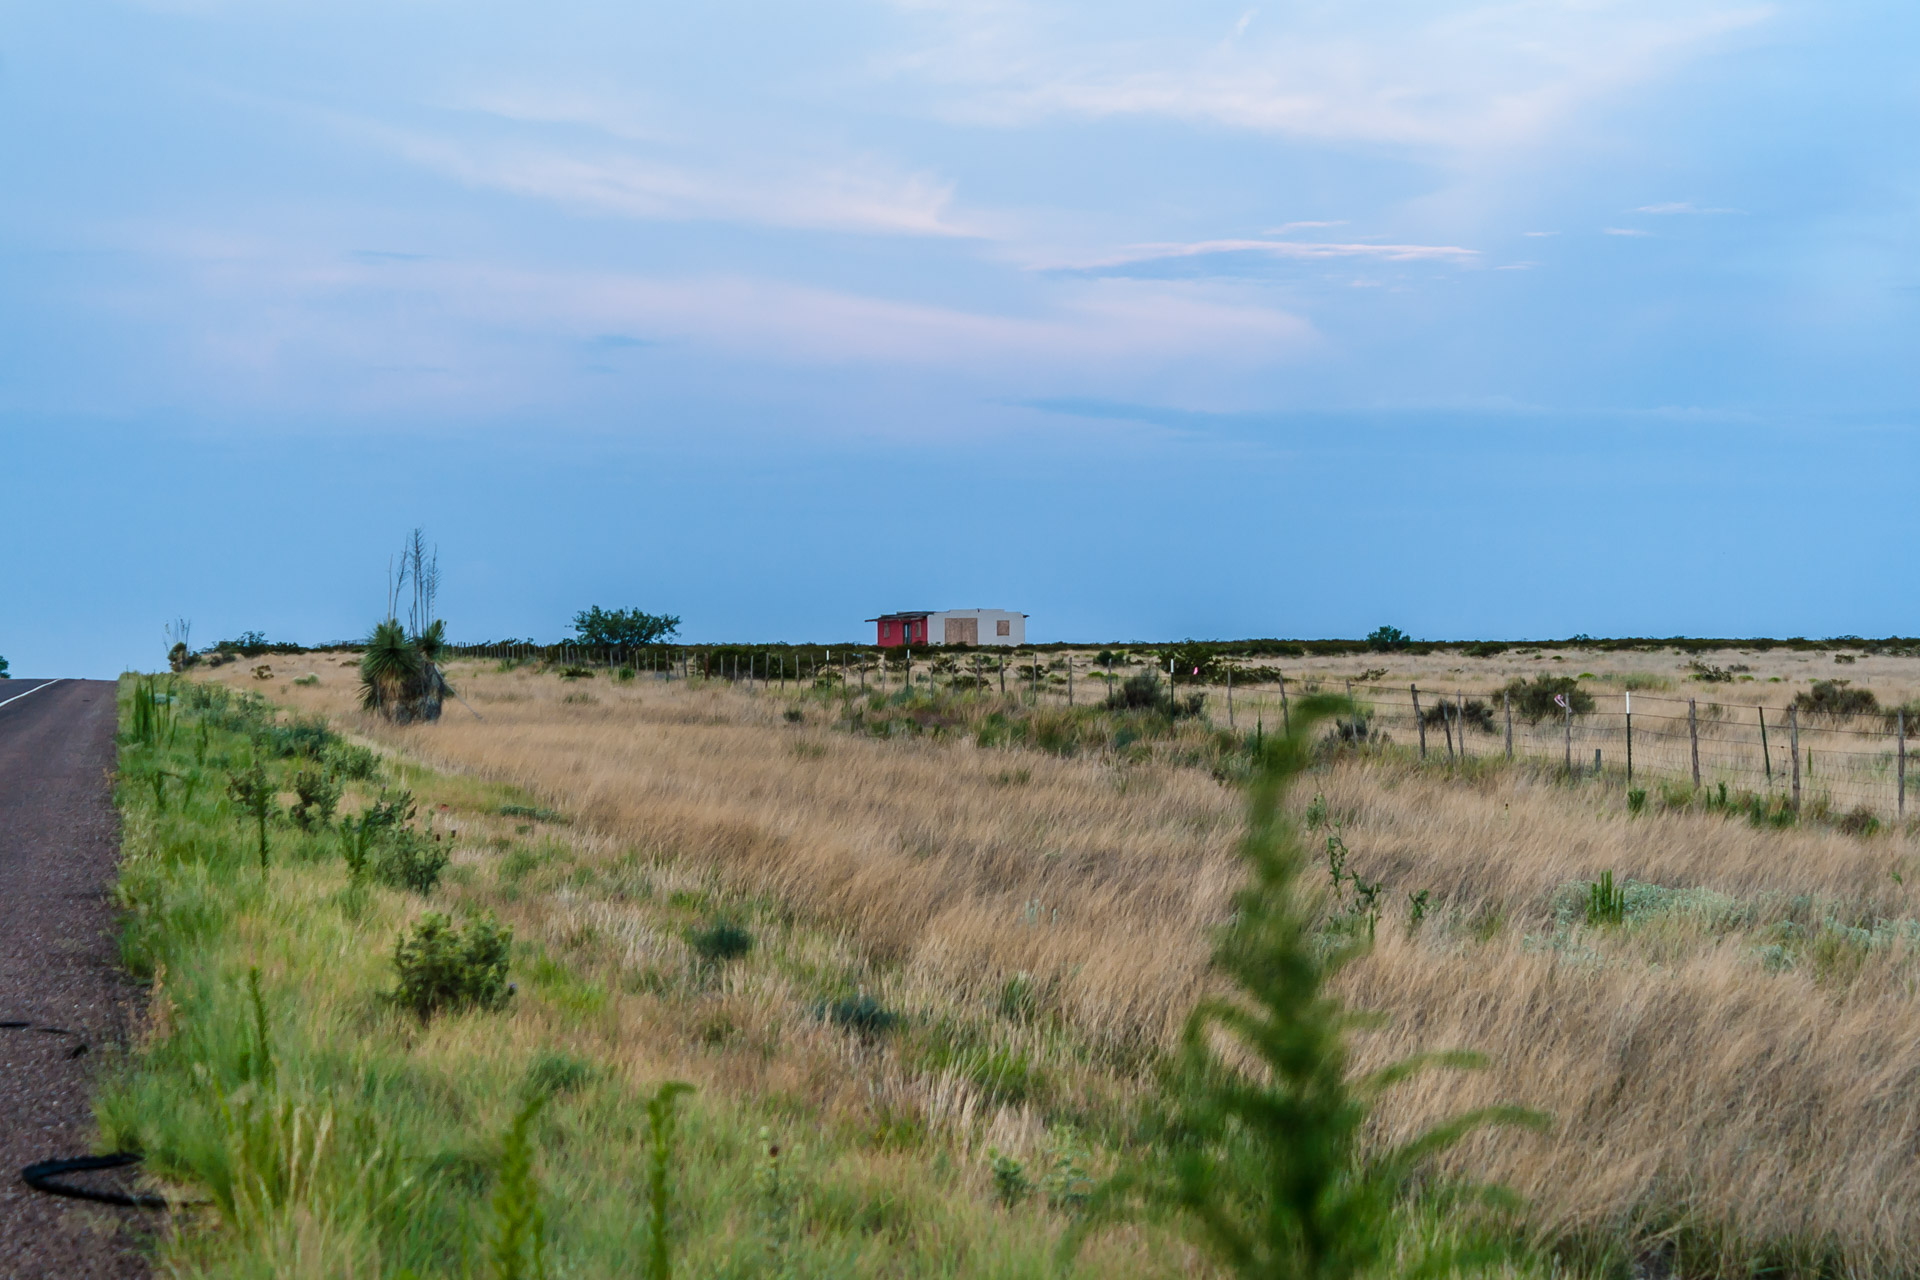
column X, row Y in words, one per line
column 1506, row 320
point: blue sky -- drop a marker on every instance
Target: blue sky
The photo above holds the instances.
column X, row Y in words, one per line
column 1152, row 320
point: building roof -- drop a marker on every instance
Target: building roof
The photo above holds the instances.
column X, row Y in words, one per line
column 914, row 614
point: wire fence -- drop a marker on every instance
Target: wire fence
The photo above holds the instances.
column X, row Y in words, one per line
column 1822, row 762
column 1782, row 756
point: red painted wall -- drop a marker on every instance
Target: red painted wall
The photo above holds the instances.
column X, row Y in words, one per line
column 895, row 633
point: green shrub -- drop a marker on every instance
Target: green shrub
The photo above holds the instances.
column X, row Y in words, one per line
column 862, row 1015
column 1636, row 800
column 317, row 795
column 1471, row 712
column 719, row 941
column 441, row 967
column 1010, row 1182
column 1533, row 700
column 1138, row 693
column 409, row 860
column 353, row 762
column 1836, row 698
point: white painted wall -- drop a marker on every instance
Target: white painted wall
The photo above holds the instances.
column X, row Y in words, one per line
column 1017, row 628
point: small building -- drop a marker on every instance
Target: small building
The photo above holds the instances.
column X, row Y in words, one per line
column 950, row 626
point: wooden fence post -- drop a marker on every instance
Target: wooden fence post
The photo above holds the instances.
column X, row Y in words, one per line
column 1003, row 673
column 1793, row 744
column 1506, row 701
column 1900, row 806
column 1229, row 697
column 1570, row 735
column 1766, row 756
column 1422, row 724
column 1693, row 738
column 1460, row 721
column 1286, row 718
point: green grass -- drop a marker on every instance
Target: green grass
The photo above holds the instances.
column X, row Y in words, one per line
column 330, row 1131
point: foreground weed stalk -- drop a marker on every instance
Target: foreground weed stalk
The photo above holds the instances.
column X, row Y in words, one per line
column 659, row 1260
column 520, row 1228
column 1266, row 1165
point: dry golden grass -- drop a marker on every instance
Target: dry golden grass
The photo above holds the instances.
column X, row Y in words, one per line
column 1743, row 1069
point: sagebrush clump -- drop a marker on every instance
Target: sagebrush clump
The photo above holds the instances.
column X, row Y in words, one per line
column 442, row 967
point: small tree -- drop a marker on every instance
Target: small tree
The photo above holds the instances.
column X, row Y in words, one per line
column 3, row 669
column 1385, row 639
column 628, row 628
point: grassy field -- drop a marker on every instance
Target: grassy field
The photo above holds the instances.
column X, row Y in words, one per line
column 1729, row 1049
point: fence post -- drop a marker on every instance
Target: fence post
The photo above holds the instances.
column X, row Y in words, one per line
column 1629, row 739
column 1070, row 686
column 1506, row 703
column 1416, row 718
column 1569, row 736
column 1766, row 756
column 1793, row 744
column 1286, row 719
column 1003, row 673
column 1693, row 737
column 1900, row 806
column 1446, row 726
column 1229, row 695
column 1460, row 721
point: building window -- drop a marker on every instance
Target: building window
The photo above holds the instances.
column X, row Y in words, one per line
column 1004, row 627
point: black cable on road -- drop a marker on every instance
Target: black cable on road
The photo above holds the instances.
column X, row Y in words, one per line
column 43, row 1175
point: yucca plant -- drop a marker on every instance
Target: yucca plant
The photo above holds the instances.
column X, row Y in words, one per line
column 1606, row 904
column 1259, row 1146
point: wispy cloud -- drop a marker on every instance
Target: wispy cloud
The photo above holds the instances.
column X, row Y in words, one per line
column 1494, row 74
column 1680, row 207
column 1288, row 228
column 1221, row 256
column 1539, row 234
column 1633, row 232
column 620, row 177
column 273, row 321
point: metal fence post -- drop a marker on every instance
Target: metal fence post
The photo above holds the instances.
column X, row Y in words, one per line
column 1629, row 739
column 1900, row 723
column 1506, row 702
column 1416, row 719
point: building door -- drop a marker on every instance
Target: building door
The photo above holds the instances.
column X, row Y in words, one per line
column 963, row 631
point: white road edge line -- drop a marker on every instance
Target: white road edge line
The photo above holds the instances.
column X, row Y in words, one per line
column 37, row 688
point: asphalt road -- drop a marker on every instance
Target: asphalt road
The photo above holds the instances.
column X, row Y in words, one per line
column 59, row 970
